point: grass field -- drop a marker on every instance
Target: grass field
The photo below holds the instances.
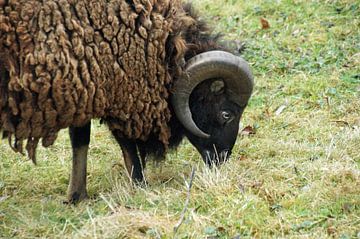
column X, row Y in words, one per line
column 297, row 176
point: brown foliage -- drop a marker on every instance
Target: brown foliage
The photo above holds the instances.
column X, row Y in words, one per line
column 264, row 23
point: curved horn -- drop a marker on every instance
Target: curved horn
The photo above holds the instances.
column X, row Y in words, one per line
column 234, row 71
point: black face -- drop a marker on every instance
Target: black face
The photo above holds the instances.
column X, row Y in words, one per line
column 217, row 116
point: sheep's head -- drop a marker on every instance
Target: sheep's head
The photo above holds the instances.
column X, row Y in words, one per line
column 209, row 99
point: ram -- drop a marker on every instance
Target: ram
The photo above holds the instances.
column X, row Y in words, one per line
column 151, row 70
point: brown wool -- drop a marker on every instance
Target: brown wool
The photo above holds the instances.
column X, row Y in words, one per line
column 65, row 62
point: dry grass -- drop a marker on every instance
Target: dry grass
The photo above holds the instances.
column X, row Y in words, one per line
column 297, row 177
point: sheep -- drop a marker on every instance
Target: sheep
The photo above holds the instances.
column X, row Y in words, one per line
column 148, row 69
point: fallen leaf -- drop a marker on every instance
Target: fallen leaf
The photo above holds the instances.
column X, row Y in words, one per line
column 242, row 158
column 248, row 130
column 264, row 23
column 331, row 230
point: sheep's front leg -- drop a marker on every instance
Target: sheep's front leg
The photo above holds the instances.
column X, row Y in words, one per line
column 132, row 160
column 80, row 139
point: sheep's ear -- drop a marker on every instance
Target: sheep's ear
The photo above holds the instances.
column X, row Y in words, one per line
column 217, row 87
column 234, row 46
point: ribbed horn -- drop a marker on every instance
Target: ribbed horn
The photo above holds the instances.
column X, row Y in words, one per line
column 234, row 71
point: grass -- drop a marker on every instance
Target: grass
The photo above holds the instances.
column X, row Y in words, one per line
column 297, row 177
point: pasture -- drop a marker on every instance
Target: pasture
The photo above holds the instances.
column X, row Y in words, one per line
column 294, row 171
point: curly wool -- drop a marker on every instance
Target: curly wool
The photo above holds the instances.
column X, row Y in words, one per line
column 64, row 62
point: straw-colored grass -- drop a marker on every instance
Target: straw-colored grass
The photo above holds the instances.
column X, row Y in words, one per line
column 298, row 176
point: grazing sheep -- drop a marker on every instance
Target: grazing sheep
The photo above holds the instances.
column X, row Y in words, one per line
column 149, row 69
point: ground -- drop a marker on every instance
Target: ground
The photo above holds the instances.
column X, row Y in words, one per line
column 295, row 169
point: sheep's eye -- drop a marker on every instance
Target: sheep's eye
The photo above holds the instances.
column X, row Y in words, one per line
column 226, row 115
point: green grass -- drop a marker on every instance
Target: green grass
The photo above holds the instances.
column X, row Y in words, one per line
column 297, row 177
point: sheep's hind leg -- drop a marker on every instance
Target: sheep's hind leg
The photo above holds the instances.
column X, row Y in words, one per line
column 80, row 139
column 131, row 158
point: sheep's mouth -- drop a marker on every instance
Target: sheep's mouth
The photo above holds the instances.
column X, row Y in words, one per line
column 214, row 158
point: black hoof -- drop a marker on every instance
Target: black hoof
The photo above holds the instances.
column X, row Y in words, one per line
column 75, row 198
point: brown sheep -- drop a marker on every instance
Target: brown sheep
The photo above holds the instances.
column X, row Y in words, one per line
column 65, row 62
